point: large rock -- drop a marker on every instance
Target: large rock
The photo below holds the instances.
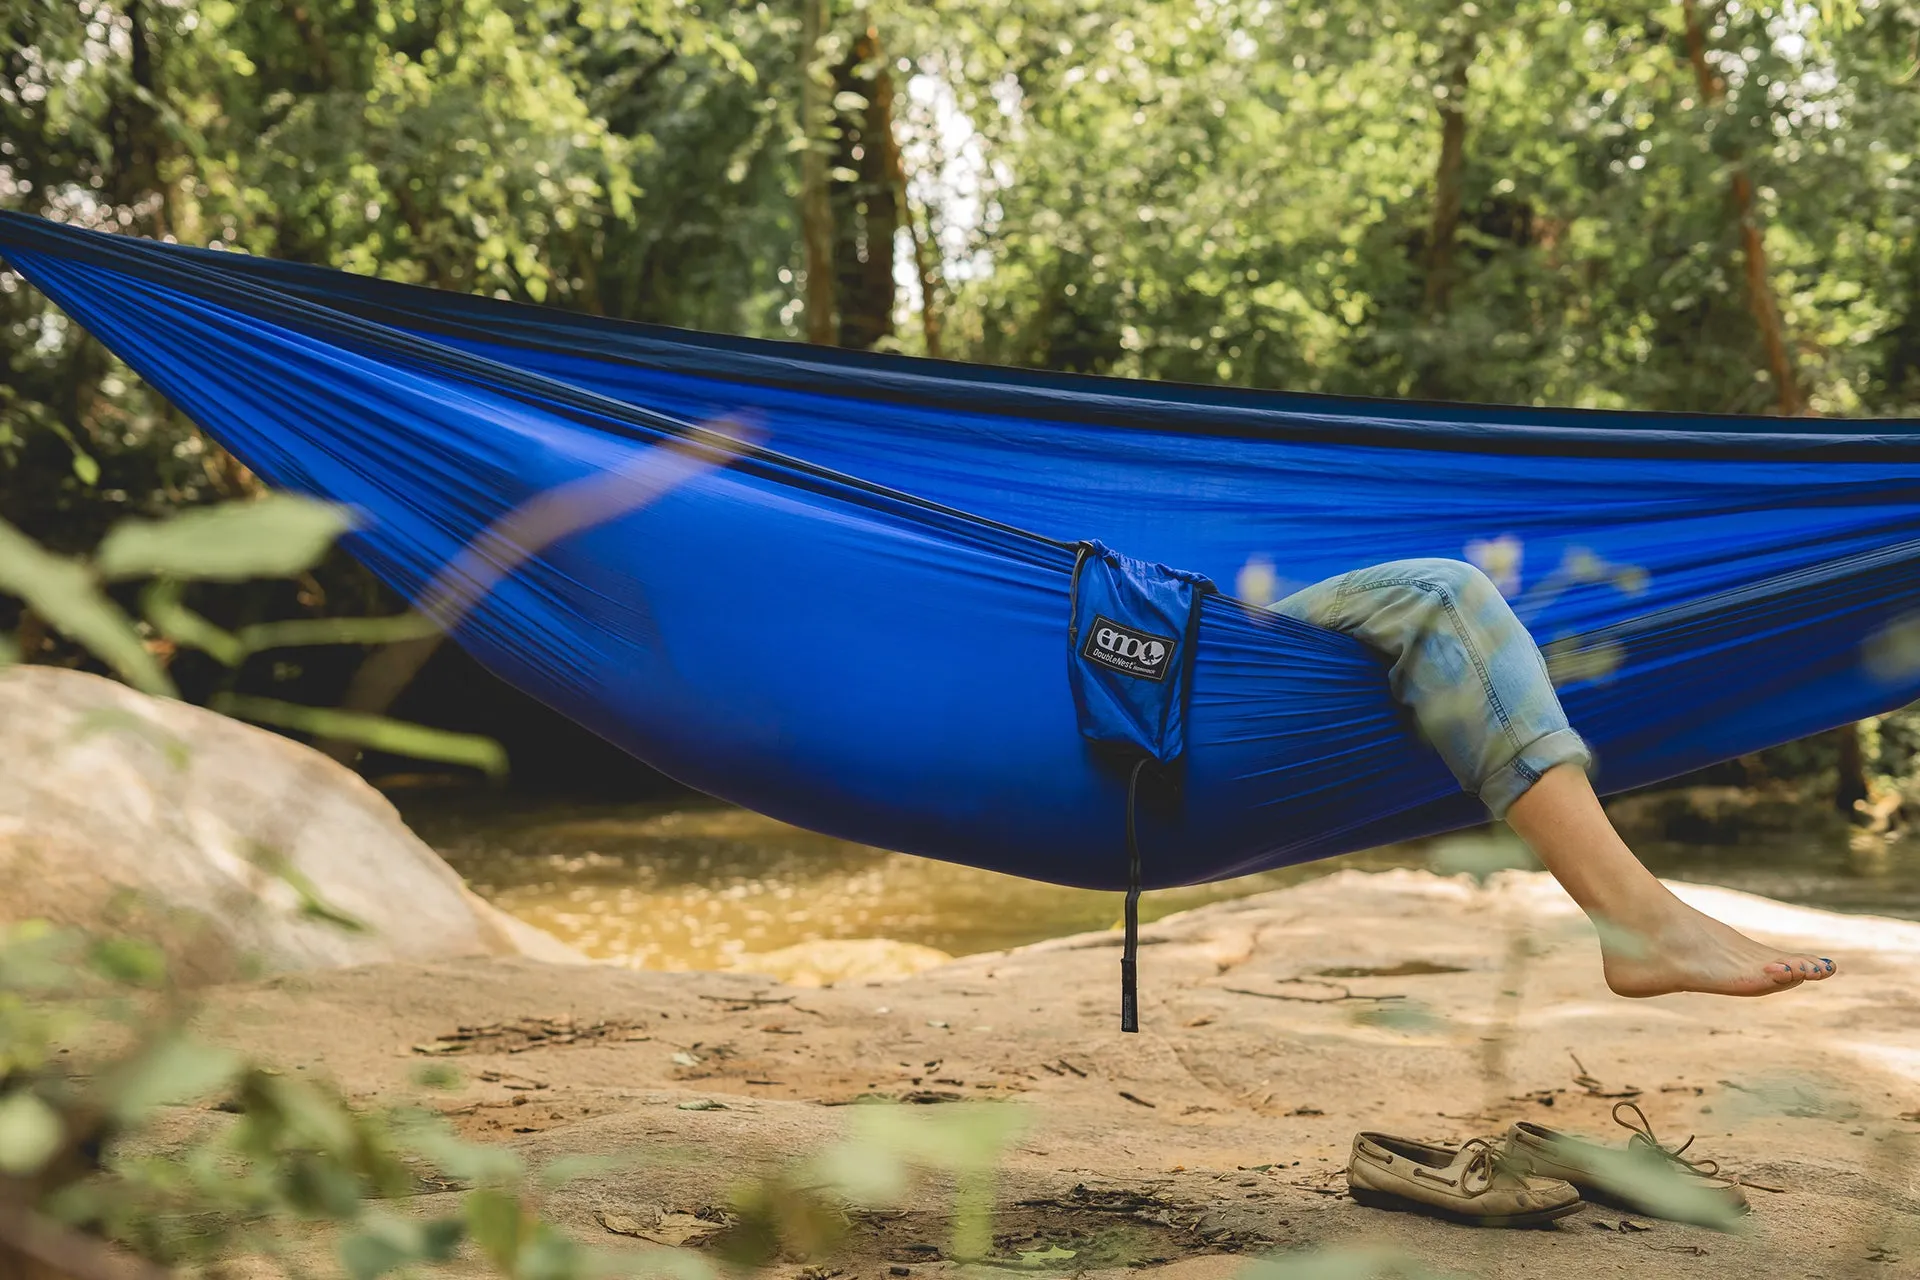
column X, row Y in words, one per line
column 216, row 839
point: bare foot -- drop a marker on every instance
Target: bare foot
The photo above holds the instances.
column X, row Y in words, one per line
column 1679, row 949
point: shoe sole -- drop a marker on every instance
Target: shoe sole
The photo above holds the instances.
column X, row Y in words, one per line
column 1404, row 1204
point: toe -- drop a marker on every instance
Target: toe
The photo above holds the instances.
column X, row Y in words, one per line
column 1782, row 973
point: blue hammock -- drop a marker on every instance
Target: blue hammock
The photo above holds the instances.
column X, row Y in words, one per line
column 857, row 621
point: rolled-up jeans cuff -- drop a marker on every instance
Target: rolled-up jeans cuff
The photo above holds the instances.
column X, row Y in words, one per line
column 1514, row 778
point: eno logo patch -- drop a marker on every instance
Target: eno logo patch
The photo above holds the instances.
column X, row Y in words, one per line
column 1130, row 652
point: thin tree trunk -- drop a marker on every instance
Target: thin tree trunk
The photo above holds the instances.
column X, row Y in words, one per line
column 816, row 216
column 924, row 265
column 1850, row 769
column 865, row 212
column 1760, row 294
column 1446, row 182
column 30, row 636
column 134, row 121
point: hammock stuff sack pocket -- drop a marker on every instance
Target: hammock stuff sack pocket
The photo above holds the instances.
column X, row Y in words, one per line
column 1130, row 633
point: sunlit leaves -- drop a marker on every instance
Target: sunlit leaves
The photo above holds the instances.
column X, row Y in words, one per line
column 378, row 733
column 295, row 1152
column 1347, row 1263
column 1571, row 660
column 1500, row 559
column 172, row 1069
column 474, row 1162
column 275, row 537
column 132, row 962
column 1481, row 855
column 313, row 906
column 30, row 1132
column 1892, row 653
column 163, row 605
column 962, row 1141
column 1645, row 1177
column 385, row 1243
column 64, row 592
column 317, row 631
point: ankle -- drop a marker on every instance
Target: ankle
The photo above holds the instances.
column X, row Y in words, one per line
column 1643, row 919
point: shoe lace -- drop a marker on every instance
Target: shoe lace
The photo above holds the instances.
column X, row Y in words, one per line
column 1487, row 1163
column 1644, row 1139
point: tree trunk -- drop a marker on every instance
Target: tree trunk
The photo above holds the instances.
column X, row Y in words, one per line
column 1850, row 768
column 1446, row 182
column 1760, row 294
column 133, row 124
column 866, row 213
column 816, row 218
column 925, row 265
column 31, row 635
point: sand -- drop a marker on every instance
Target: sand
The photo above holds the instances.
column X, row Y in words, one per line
column 1273, row 1028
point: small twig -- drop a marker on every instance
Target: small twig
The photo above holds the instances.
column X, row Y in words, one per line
column 1278, row 995
column 1137, row 1101
column 1761, row 1186
column 1594, row 1086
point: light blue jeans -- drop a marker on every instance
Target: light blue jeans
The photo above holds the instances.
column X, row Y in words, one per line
column 1463, row 663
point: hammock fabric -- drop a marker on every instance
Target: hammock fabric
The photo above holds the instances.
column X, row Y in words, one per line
column 844, row 601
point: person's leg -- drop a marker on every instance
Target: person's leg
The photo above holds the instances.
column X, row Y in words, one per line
column 1651, row 943
column 1480, row 691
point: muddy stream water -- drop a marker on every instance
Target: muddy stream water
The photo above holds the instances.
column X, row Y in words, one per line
column 697, row 885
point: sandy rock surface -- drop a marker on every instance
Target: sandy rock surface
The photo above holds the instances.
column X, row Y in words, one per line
column 115, row 806
column 839, row 962
column 1274, row 1027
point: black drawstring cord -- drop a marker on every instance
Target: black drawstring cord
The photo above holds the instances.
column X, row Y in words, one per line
column 1130, row 948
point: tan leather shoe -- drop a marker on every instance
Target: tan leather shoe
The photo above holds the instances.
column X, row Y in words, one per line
column 1642, row 1177
column 1473, row 1184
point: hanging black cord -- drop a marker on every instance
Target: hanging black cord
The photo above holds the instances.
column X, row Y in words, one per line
column 1130, row 949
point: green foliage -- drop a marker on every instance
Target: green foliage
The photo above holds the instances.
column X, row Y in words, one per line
column 1347, row 1264
column 66, row 594
column 1243, row 191
column 1218, row 190
column 30, row 1133
column 283, row 1152
column 606, row 156
column 378, row 732
column 273, row 537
